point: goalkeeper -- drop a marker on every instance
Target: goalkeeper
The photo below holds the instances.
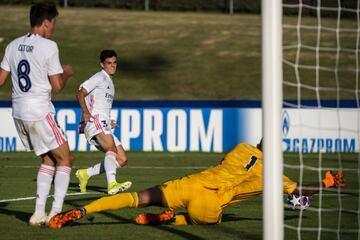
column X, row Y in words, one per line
column 236, row 178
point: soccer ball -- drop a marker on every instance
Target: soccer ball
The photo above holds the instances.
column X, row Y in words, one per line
column 298, row 202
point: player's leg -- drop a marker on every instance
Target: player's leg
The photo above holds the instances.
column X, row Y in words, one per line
column 55, row 140
column 99, row 134
column 64, row 160
column 113, row 160
column 43, row 185
column 44, row 177
column 90, row 129
column 121, row 156
column 104, row 143
column 85, row 174
column 149, row 197
column 203, row 205
column 121, row 159
column 49, row 141
column 172, row 194
column 154, row 197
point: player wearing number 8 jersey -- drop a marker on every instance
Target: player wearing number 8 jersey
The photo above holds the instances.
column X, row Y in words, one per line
column 33, row 61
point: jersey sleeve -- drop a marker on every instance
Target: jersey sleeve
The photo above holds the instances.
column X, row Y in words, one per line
column 289, row 185
column 53, row 63
column 5, row 61
column 91, row 83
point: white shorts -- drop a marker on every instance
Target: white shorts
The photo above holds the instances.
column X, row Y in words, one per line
column 100, row 123
column 41, row 136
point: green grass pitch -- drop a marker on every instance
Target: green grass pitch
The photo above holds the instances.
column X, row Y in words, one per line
column 184, row 55
column 18, row 181
column 176, row 56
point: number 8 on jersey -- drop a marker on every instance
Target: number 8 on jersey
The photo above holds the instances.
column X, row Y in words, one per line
column 23, row 72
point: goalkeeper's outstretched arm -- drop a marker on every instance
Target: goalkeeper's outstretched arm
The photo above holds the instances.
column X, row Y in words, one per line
column 330, row 180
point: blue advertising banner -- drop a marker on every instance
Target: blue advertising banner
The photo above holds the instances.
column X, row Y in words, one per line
column 207, row 126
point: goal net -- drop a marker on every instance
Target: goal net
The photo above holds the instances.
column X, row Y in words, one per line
column 321, row 113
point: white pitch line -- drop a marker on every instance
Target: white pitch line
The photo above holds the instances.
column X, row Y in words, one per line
column 131, row 167
column 99, row 193
column 31, row 198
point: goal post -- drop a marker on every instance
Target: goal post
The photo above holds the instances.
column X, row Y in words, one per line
column 311, row 111
column 272, row 107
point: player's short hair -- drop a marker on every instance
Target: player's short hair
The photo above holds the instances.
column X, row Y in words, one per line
column 107, row 54
column 42, row 11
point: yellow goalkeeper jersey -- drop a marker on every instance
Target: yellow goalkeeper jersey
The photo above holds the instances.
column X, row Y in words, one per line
column 238, row 176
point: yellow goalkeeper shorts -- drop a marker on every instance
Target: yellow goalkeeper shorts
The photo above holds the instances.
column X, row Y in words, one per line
column 203, row 204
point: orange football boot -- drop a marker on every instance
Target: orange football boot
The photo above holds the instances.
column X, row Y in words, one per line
column 153, row 218
column 64, row 218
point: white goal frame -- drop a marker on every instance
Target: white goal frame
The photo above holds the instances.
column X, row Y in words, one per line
column 273, row 210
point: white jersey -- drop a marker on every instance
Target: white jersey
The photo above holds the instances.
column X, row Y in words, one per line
column 101, row 93
column 31, row 59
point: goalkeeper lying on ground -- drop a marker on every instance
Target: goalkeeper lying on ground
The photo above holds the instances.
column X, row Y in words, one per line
column 205, row 194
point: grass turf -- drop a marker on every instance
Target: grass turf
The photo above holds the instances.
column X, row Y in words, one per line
column 175, row 56
column 18, row 173
column 169, row 55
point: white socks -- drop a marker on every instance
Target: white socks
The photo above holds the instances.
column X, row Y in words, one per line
column 110, row 165
column 43, row 182
column 61, row 184
column 43, row 185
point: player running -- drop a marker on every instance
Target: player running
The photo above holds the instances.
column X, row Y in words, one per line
column 95, row 97
column 236, row 178
column 33, row 61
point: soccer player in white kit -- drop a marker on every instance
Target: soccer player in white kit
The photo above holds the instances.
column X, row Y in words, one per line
column 95, row 97
column 33, row 61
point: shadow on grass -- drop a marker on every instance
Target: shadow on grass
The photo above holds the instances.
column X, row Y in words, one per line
column 122, row 220
column 22, row 216
column 145, row 65
column 149, row 72
column 75, row 187
column 176, row 230
column 238, row 233
column 235, row 218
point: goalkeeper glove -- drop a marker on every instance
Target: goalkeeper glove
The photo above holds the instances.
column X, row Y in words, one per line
column 332, row 179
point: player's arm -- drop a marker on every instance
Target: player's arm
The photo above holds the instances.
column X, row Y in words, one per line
column 330, row 180
column 58, row 81
column 3, row 76
column 81, row 94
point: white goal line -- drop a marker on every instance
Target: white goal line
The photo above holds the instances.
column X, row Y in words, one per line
column 321, row 169
column 31, row 198
column 309, row 229
column 131, row 167
column 79, row 194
